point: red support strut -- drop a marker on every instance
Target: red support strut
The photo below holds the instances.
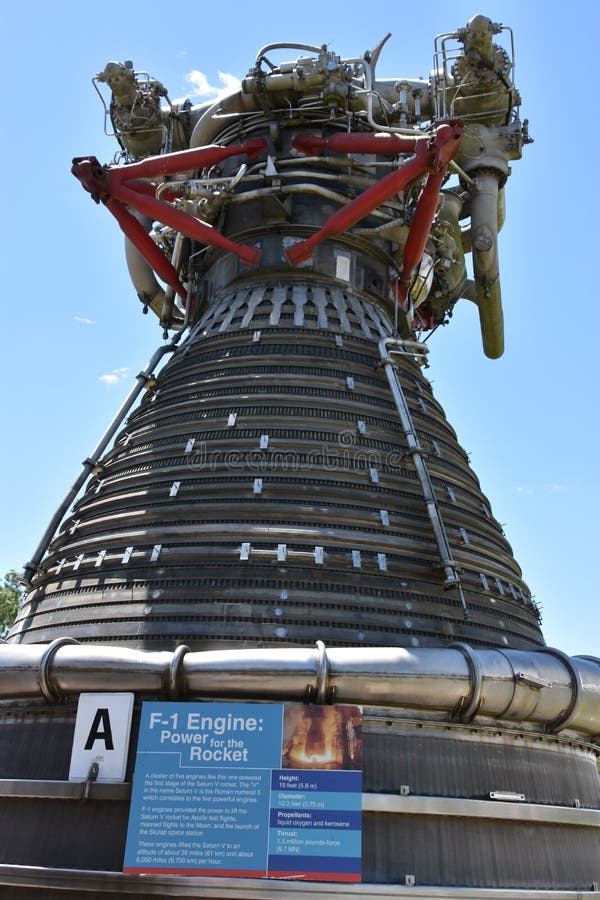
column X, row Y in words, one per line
column 142, row 241
column 184, row 160
column 431, row 158
column 357, row 142
column 119, row 187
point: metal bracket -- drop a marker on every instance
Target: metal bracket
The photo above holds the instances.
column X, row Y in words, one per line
column 467, row 708
column 176, row 686
column 565, row 718
column 532, row 681
column 149, row 383
column 92, row 776
column 51, row 692
column 320, row 692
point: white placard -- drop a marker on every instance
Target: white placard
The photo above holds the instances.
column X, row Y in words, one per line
column 102, row 730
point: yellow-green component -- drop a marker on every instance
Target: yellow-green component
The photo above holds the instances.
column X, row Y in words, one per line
column 482, row 82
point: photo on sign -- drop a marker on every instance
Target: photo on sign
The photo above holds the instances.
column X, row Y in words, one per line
column 321, row 737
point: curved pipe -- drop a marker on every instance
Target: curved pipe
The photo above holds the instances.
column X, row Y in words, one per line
column 371, row 89
column 210, row 123
column 285, row 46
column 509, row 685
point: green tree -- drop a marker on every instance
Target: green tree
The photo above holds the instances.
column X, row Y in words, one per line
column 11, row 596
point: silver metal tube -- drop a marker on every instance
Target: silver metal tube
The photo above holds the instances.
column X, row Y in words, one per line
column 511, row 685
column 166, row 314
column 308, row 188
column 208, row 125
column 379, row 126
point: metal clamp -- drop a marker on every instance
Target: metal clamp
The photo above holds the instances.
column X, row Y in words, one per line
column 92, row 777
column 175, row 688
column 467, row 708
column 566, row 717
column 51, row 692
column 318, row 692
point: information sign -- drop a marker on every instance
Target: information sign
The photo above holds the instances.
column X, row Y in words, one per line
column 102, row 729
column 248, row 790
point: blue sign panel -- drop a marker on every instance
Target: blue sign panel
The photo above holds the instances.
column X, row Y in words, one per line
column 247, row 790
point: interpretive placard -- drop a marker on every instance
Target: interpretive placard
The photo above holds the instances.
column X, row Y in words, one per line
column 249, row 790
column 102, row 730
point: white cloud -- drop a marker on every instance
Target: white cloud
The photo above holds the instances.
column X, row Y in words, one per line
column 202, row 89
column 83, row 320
column 114, row 377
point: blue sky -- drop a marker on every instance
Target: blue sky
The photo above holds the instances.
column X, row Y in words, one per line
column 74, row 335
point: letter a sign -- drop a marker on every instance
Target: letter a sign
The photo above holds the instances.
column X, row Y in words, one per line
column 101, row 735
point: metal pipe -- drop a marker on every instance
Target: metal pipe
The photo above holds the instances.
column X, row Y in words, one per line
column 184, row 160
column 512, row 685
column 179, row 187
column 286, row 46
column 451, row 577
column 210, row 123
column 308, row 188
column 189, row 186
column 166, row 315
column 357, row 142
column 466, row 231
column 378, row 126
column 484, row 229
column 141, row 273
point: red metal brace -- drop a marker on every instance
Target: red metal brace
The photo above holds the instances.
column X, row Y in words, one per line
column 182, row 161
column 140, row 239
column 431, row 158
column 121, row 186
column 356, row 142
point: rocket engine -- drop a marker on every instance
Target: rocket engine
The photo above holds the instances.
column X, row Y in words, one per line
column 287, row 513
